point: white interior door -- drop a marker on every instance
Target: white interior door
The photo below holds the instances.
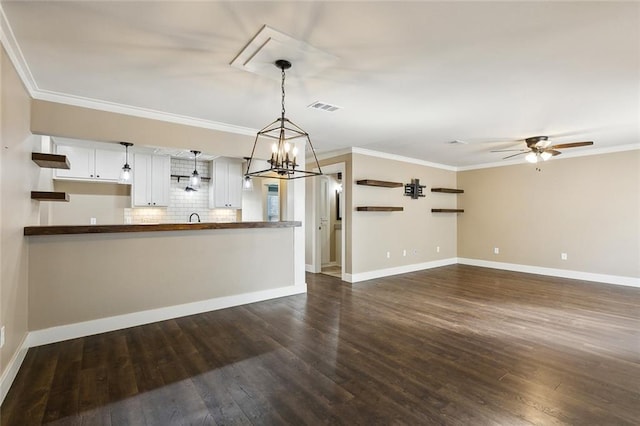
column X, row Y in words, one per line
column 325, row 211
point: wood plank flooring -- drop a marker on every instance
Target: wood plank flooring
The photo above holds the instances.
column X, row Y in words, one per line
column 457, row 345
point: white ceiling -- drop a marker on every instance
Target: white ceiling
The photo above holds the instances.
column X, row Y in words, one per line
column 410, row 76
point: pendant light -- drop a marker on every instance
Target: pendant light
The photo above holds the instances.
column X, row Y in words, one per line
column 194, row 180
column 125, row 174
column 283, row 163
column 247, row 181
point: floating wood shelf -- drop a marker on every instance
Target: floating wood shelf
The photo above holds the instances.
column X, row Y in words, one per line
column 448, row 190
column 187, row 177
column 447, row 210
column 382, row 183
column 49, row 196
column 379, row 209
column 50, row 161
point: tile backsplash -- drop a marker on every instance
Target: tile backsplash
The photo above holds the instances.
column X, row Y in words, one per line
column 182, row 203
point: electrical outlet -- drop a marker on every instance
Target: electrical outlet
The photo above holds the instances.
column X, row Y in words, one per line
column 1, row 336
column 496, row 250
column 404, row 252
column 563, row 256
column 93, row 221
column 438, row 249
column 388, row 255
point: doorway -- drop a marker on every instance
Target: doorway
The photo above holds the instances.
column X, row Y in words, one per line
column 329, row 215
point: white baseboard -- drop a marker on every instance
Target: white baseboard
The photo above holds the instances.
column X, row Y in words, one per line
column 562, row 273
column 12, row 368
column 380, row 273
column 309, row 268
column 103, row 325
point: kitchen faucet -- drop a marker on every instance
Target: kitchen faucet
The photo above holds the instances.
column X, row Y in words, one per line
column 191, row 215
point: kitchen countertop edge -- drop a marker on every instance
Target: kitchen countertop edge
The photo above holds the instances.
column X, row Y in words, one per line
column 155, row 227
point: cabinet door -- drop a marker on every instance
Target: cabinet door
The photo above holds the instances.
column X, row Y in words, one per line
column 82, row 162
column 219, row 186
column 109, row 164
column 141, row 185
column 226, row 189
column 160, row 180
column 234, row 184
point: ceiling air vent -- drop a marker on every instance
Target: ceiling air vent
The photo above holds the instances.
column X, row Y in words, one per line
column 324, row 106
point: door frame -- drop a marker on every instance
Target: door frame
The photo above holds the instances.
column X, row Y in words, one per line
column 316, row 255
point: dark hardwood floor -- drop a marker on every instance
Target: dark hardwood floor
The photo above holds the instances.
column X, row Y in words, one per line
column 457, row 345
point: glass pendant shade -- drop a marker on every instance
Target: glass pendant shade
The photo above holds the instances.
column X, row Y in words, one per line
column 125, row 173
column 247, row 183
column 194, row 180
column 546, row 155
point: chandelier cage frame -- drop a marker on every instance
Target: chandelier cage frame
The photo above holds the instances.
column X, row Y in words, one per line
column 283, row 163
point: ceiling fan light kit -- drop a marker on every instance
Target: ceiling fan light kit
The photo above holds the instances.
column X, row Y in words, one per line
column 538, row 149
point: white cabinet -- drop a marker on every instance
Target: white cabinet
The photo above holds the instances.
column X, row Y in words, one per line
column 151, row 180
column 91, row 164
column 226, row 190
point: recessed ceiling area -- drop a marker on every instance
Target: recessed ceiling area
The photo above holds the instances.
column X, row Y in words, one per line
column 410, row 77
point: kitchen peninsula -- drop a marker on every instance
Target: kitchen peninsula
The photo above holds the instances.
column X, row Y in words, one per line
column 89, row 279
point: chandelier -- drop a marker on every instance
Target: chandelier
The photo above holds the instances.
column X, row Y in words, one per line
column 284, row 162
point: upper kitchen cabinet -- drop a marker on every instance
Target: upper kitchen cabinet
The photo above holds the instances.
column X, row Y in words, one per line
column 226, row 190
column 151, row 180
column 90, row 164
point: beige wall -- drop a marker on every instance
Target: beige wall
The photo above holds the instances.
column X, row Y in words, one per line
column 19, row 176
column 416, row 229
column 104, row 201
column 587, row 207
column 54, row 119
column 75, row 278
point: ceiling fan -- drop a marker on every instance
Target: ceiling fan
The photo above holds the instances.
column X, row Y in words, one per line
column 538, row 149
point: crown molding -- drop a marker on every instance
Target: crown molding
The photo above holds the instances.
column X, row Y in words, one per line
column 8, row 40
column 79, row 101
column 402, row 158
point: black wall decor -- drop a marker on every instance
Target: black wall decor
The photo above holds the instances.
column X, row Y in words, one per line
column 414, row 189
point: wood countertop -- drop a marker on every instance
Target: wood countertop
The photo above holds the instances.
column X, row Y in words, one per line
column 152, row 227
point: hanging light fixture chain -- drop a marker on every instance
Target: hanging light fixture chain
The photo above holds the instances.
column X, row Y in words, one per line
column 283, row 92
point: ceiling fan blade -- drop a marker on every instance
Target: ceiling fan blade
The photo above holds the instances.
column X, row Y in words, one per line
column 552, row 152
column 509, row 150
column 570, row 145
column 515, row 155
